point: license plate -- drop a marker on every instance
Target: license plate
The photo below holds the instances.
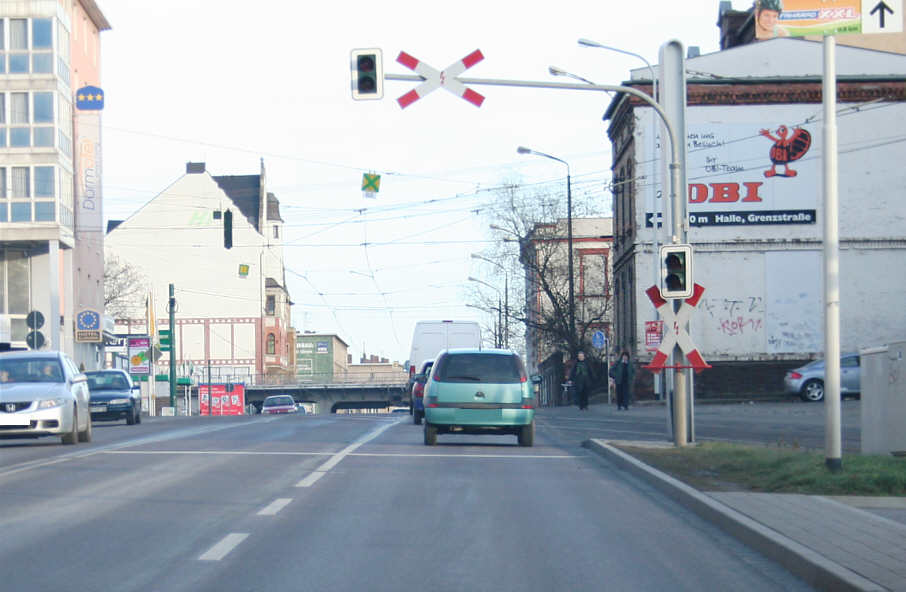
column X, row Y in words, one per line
column 98, row 408
column 9, row 420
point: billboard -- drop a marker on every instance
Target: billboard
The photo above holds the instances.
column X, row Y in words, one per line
column 755, row 173
column 799, row 18
column 227, row 399
column 139, row 351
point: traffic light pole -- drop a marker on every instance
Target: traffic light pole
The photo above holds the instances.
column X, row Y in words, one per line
column 171, row 305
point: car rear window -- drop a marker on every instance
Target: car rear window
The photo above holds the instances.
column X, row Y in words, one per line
column 273, row 401
column 477, row 367
column 101, row 381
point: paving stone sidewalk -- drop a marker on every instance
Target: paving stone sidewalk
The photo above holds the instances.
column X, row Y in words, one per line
column 830, row 543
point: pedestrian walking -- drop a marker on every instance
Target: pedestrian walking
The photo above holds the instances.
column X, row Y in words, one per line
column 622, row 373
column 580, row 377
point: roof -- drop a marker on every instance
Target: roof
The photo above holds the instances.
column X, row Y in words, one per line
column 94, row 13
column 273, row 207
column 244, row 191
column 112, row 224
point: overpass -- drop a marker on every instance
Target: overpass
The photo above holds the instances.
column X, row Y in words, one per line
column 329, row 397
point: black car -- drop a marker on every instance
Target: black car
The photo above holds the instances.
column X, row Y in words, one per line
column 112, row 397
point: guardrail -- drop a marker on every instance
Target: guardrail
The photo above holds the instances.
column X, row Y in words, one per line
column 313, row 379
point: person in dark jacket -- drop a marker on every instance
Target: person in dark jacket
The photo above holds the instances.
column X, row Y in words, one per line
column 580, row 377
column 622, row 374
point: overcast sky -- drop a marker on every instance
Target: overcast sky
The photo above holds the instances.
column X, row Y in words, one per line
column 199, row 80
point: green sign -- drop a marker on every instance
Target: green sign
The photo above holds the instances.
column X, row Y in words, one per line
column 165, row 339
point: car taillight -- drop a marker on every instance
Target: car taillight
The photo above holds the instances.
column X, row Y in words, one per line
column 419, row 390
column 528, row 406
column 795, row 375
column 411, row 371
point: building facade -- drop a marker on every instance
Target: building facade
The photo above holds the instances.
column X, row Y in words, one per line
column 544, row 256
column 232, row 305
column 321, row 358
column 51, row 254
column 755, row 208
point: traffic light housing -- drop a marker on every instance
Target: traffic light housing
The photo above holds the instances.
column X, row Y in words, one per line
column 367, row 74
column 676, row 271
column 227, row 229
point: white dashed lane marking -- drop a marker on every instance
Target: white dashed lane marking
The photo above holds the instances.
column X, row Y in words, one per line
column 275, row 506
column 223, row 548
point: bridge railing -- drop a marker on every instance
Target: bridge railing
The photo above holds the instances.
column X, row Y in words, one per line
column 315, row 379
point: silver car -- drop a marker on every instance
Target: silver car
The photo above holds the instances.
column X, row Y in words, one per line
column 808, row 381
column 43, row 394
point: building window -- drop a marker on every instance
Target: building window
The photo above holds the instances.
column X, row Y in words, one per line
column 270, row 306
column 14, row 290
column 271, row 344
column 33, row 195
column 37, row 58
column 276, row 231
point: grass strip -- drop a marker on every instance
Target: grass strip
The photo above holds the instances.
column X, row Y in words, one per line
column 719, row 466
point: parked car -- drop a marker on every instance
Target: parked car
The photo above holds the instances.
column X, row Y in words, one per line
column 476, row 391
column 279, row 404
column 113, row 397
column 418, row 393
column 43, row 394
column 808, row 381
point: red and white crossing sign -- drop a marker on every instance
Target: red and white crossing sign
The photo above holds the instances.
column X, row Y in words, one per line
column 675, row 330
column 445, row 78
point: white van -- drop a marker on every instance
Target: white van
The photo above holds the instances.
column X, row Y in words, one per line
column 430, row 337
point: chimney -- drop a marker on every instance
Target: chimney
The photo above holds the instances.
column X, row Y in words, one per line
column 194, row 168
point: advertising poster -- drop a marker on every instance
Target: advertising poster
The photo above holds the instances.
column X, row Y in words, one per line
column 752, row 174
column 798, row 18
column 139, row 351
column 223, row 399
column 654, row 334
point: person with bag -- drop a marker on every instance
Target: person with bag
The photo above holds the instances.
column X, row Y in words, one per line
column 580, row 378
column 622, row 373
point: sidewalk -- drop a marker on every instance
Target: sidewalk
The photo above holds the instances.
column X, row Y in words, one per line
column 830, row 544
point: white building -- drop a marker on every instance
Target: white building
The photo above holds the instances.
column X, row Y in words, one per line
column 755, row 205
column 51, row 254
column 232, row 305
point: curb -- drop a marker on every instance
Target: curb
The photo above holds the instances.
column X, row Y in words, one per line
column 813, row 568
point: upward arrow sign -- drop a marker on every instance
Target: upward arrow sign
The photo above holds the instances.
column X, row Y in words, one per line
column 881, row 8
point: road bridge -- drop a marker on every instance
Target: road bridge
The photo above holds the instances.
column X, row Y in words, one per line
column 330, row 397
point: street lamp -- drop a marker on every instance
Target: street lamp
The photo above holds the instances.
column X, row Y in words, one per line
column 499, row 341
column 506, row 298
column 655, row 205
column 569, row 230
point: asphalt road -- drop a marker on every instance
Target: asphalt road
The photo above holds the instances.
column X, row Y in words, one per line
column 347, row 503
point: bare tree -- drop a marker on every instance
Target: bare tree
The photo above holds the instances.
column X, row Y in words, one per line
column 124, row 288
column 529, row 229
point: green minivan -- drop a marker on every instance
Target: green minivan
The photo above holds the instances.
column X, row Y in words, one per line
column 478, row 391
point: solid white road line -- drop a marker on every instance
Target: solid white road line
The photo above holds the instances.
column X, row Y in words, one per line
column 515, row 456
column 275, row 506
column 223, row 548
column 336, row 458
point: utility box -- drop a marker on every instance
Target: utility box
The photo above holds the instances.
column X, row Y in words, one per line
column 884, row 399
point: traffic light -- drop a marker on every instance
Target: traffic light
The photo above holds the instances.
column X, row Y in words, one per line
column 676, row 271
column 367, row 74
column 228, row 229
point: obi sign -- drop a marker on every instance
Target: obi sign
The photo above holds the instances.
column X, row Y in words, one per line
column 752, row 174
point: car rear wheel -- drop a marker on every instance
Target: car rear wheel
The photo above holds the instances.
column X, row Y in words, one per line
column 130, row 419
column 527, row 434
column 430, row 434
column 85, row 436
column 812, row 391
column 73, row 436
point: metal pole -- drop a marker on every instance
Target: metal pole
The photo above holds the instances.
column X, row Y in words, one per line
column 210, row 394
column 569, row 238
column 506, row 308
column 172, row 307
column 499, row 323
column 832, row 433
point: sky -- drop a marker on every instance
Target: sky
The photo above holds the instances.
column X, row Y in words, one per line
column 206, row 81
